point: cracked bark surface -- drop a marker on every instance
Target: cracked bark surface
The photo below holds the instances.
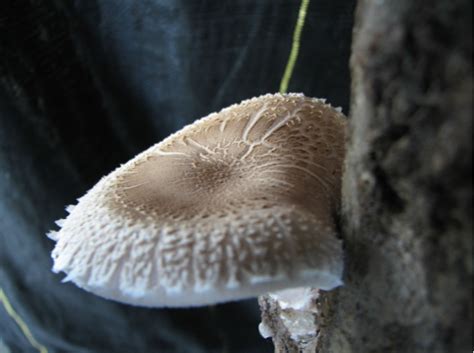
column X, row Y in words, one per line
column 407, row 193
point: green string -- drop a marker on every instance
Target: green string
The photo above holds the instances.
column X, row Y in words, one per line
column 295, row 46
column 21, row 324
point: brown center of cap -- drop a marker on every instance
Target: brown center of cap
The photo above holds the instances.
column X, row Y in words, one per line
column 253, row 157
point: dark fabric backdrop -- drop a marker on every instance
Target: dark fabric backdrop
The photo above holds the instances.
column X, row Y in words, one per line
column 86, row 85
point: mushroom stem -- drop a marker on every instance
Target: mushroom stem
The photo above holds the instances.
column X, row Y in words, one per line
column 291, row 317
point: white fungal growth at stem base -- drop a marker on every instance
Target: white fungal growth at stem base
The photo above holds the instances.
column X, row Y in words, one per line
column 293, row 298
column 237, row 204
column 298, row 316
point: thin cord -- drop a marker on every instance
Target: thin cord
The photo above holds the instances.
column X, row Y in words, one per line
column 21, row 324
column 294, row 47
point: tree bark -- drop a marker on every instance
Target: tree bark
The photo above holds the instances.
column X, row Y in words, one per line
column 407, row 189
column 407, row 194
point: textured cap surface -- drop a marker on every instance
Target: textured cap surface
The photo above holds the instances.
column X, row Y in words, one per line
column 234, row 205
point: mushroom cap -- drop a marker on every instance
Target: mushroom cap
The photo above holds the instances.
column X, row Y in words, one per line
column 235, row 205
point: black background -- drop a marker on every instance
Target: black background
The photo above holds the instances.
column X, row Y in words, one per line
column 86, row 85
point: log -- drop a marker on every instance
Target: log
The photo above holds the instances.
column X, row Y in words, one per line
column 407, row 189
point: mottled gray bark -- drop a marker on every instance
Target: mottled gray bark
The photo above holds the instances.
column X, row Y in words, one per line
column 407, row 194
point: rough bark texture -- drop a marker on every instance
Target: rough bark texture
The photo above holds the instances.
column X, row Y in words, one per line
column 407, row 194
column 408, row 183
